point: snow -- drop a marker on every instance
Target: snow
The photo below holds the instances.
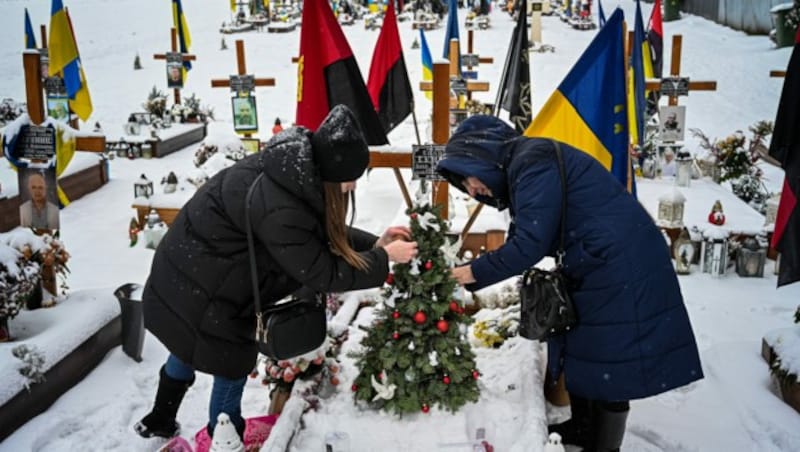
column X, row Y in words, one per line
column 736, row 406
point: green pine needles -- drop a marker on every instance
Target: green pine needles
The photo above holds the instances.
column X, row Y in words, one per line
column 415, row 355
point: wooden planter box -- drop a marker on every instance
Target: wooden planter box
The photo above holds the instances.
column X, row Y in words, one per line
column 75, row 186
column 790, row 392
column 167, row 214
column 178, row 142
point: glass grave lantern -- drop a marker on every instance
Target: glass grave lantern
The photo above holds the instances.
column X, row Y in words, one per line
column 750, row 259
column 670, row 209
column 143, row 187
column 683, row 251
column 714, row 252
column 683, row 168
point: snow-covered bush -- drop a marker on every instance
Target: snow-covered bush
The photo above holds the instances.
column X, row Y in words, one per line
column 32, row 363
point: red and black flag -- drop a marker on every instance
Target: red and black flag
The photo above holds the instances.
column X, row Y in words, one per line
column 785, row 148
column 328, row 75
column 655, row 37
column 388, row 84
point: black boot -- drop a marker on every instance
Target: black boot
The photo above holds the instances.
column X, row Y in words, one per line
column 577, row 430
column 161, row 420
column 609, row 425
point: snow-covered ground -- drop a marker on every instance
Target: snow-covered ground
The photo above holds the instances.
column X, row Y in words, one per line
column 733, row 408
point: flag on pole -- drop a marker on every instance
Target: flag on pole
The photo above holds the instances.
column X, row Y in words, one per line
column 587, row 110
column 452, row 31
column 30, row 38
column 655, row 39
column 328, row 74
column 515, row 87
column 427, row 62
column 388, row 84
column 641, row 68
column 184, row 37
column 233, row 6
column 785, row 148
column 601, row 13
column 66, row 61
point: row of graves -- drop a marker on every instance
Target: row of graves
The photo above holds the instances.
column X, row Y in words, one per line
column 56, row 163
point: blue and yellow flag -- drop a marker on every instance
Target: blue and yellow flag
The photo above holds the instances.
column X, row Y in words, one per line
column 30, row 38
column 641, row 69
column 587, row 111
column 65, row 61
column 452, row 31
column 427, row 62
column 184, row 37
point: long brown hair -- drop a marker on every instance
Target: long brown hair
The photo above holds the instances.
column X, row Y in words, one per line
column 336, row 225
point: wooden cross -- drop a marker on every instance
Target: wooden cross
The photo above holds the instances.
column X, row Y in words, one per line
column 675, row 70
column 471, row 85
column 242, row 70
column 173, row 33
column 34, row 95
column 777, row 74
column 441, row 133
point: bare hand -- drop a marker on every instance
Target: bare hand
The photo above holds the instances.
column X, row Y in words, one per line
column 401, row 251
column 463, row 274
column 393, row 233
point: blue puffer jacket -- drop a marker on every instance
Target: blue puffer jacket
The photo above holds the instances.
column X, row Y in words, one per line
column 634, row 338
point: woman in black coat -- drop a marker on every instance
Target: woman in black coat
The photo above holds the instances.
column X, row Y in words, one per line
column 198, row 299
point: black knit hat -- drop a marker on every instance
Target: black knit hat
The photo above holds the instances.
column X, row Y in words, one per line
column 340, row 150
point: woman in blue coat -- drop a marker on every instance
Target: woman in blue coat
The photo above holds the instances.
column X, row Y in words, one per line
column 633, row 339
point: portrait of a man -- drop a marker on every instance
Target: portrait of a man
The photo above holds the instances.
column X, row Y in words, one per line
column 58, row 108
column 244, row 114
column 174, row 75
column 37, row 190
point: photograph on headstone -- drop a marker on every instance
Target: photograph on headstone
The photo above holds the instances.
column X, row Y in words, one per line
column 37, row 189
column 251, row 145
column 174, row 70
column 672, row 123
column 244, row 114
column 58, row 108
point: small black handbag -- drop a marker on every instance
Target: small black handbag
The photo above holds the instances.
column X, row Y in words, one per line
column 547, row 308
column 287, row 329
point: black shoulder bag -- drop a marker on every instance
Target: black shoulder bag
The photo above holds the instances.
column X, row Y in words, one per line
column 287, row 329
column 547, row 308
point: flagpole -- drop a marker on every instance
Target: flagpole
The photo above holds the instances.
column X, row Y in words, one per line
column 502, row 86
column 416, row 126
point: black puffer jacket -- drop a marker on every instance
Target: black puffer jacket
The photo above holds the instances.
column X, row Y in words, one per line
column 198, row 299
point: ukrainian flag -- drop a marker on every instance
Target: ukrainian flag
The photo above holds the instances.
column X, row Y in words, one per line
column 65, row 60
column 427, row 62
column 184, row 37
column 587, row 111
column 30, row 38
column 641, row 69
column 452, row 32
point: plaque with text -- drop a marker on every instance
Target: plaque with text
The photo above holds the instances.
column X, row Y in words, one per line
column 424, row 159
column 242, row 83
column 675, row 86
column 36, row 143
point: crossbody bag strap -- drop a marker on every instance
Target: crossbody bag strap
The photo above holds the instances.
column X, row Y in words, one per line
column 560, row 253
column 252, row 250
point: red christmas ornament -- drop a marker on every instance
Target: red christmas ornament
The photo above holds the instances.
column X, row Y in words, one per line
column 425, row 408
column 476, row 374
column 396, row 315
column 395, row 335
column 442, row 325
column 446, row 380
column 354, row 388
column 428, row 265
column 390, row 279
column 413, row 215
column 454, row 306
column 420, row 317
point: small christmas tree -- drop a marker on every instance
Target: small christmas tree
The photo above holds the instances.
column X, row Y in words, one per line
column 416, row 355
column 223, row 45
column 137, row 63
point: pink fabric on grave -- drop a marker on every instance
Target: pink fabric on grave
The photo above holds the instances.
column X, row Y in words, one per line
column 256, row 433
